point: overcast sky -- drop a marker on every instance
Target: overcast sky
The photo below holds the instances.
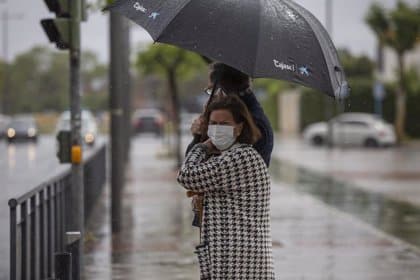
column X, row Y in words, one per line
column 349, row 29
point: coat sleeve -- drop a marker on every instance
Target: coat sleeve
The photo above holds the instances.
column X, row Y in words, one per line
column 264, row 146
column 228, row 172
column 194, row 141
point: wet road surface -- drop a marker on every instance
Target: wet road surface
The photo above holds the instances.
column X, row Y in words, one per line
column 312, row 239
column 392, row 172
column 398, row 218
column 23, row 166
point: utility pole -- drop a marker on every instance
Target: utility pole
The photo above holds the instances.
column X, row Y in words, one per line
column 76, row 114
column 378, row 87
column 327, row 102
column 64, row 31
column 5, row 18
column 119, row 79
column 127, row 91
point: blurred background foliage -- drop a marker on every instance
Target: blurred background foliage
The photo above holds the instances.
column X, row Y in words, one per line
column 39, row 82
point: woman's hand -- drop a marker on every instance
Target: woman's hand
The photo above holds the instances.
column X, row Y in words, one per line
column 212, row 150
column 197, row 126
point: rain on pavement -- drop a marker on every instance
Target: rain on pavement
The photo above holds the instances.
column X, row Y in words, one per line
column 312, row 237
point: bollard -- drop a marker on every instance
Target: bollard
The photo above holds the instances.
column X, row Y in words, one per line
column 73, row 247
column 63, row 266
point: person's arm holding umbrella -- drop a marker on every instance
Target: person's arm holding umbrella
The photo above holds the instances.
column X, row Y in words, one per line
column 264, row 146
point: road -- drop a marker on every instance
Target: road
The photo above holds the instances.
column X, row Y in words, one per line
column 23, row 166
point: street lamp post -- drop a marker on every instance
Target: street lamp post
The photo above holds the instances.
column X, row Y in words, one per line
column 5, row 18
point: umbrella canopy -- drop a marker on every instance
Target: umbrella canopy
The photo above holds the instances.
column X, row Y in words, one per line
column 265, row 39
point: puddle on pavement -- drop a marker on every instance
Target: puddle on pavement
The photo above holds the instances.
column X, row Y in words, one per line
column 396, row 218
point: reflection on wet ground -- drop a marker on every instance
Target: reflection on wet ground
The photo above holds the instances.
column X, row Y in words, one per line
column 157, row 240
column 312, row 240
column 399, row 219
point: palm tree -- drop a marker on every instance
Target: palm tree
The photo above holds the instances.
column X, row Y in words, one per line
column 398, row 29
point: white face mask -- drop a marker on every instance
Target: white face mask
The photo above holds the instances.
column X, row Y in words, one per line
column 222, row 136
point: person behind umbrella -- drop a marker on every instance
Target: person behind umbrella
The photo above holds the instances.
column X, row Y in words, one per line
column 233, row 179
column 227, row 80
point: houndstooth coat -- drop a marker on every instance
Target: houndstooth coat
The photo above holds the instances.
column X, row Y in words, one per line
column 236, row 234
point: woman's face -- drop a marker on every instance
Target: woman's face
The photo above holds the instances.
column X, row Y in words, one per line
column 225, row 117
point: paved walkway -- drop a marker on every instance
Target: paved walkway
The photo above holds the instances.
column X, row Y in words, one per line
column 310, row 239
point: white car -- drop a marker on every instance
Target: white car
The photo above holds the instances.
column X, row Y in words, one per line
column 89, row 126
column 352, row 129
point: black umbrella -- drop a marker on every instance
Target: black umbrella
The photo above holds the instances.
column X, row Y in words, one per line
column 262, row 38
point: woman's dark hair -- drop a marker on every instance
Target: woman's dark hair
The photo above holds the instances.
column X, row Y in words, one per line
column 250, row 132
column 228, row 78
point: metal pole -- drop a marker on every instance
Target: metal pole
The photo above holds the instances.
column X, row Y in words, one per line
column 5, row 99
column 72, row 246
column 117, row 118
column 5, row 18
column 77, row 190
column 13, row 241
column 63, row 266
column 127, row 89
column 379, row 74
column 328, row 16
column 327, row 103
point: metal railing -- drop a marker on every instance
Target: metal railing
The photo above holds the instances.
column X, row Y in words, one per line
column 38, row 219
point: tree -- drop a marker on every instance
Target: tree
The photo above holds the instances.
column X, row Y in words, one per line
column 399, row 29
column 38, row 81
column 356, row 66
column 94, row 82
column 173, row 64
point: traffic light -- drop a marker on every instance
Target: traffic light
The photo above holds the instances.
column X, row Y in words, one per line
column 60, row 7
column 64, row 146
column 59, row 30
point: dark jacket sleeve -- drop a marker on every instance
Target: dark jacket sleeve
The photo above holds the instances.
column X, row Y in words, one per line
column 264, row 146
column 195, row 140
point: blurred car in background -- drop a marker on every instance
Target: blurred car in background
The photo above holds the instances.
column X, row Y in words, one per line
column 148, row 121
column 352, row 129
column 89, row 126
column 4, row 121
column 21, row 128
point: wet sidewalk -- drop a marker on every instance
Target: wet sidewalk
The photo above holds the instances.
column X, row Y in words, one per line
column 392, row 172
column 310, row 239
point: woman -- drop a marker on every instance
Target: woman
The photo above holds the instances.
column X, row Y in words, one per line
column 233, row 179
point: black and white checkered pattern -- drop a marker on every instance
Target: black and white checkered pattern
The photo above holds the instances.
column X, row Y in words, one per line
column 236, row 234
